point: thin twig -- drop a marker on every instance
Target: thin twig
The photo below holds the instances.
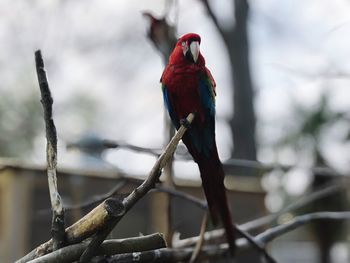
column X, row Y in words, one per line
column 159, row 188
column 297, row 204
column 299, row 221
column 98, row 198
column 260, row 167
column 218, row 234
column 187, row 197
column 120, row 144
column 138, row 193
column 200, row 242
column 256, row 244
column 57, row 227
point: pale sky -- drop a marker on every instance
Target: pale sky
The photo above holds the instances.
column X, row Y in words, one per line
column 99, row 48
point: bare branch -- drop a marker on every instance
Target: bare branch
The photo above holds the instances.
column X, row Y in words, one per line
column 261, row 168
column 299, row 221
column 220, row 251
column 190, row 198
column 109, row 247
column 139, row 192
column 215, row 20
column 98, row 198
column 100, row 216
column 57, row 227
column 120, row 144
column 255, row 244
column 169, row 255
column 159, row 188
column 219, row 234
column 299, row 203
column 200, row 242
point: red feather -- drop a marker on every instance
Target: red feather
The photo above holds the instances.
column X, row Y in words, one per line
column 183, row 80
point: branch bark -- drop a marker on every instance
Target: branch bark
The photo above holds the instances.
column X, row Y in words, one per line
column 200, row 242
column 219, row 234
column 277, row 231
column 220, row 251
column 109, row 247
column 99, row 217
column 168, row 255
column 57, row 227
column 139, row 192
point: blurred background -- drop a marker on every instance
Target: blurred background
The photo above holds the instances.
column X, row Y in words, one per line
column 282, row 75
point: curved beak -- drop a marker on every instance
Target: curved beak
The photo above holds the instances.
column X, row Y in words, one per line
column 194, row 48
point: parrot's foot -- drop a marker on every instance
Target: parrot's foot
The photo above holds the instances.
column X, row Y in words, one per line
column 185, row 123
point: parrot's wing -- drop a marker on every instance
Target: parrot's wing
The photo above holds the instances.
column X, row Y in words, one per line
column 207, row 94
column 170, row 107
column 203, row 136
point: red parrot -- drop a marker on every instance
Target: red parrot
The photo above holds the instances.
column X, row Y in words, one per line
column 188, row 86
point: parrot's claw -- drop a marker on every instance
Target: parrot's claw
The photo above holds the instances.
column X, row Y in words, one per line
column 185, row 123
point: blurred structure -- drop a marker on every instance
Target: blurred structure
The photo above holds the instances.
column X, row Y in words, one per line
column 92, row 147
column 20, row 122
column 25, row 215
column 235, row 38
column 162, row 35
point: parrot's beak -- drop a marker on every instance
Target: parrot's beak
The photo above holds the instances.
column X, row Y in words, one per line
column 194, row 48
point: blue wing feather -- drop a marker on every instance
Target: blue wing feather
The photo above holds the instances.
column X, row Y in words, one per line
column 169, row 107
column 203, row 137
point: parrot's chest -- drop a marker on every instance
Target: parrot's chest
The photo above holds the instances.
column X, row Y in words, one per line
column 185, row 94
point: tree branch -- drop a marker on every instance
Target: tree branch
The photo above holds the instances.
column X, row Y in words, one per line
column 299, row 221
column 159, row 188
column 200, row 242
column 299, row 203
column 98, row 198
column 120, row 144
column 187, row 197
column 57, row 227
column 219, row 234
column 220, row 251
column 109, row 247
column 100, row 217
column 168, row 255
column 255, row 244
column 138, row 193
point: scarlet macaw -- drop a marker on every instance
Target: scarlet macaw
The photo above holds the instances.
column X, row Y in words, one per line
column 188, row 86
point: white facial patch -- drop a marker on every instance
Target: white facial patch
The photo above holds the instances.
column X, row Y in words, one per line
column 184, row 47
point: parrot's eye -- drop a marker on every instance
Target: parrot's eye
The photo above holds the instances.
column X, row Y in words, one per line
column 183, row 43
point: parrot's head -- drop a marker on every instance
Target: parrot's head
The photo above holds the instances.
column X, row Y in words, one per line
column 189, row 45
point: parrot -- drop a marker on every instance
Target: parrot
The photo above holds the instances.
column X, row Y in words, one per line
column 189, row 87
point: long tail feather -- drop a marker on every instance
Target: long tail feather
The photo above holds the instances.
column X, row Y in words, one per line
column 212, row 175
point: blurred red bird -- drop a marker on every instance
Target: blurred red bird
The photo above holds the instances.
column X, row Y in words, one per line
column 188, row 86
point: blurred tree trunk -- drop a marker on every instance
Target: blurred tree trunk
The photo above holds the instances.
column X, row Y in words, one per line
column 328, row 232
column 243, row 121
column 163, row 37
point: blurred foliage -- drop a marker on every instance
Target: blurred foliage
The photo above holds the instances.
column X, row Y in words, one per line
column 310, row 131
column 21, row 118
column 310, row 127
column 83, row 107
column 19, row 122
